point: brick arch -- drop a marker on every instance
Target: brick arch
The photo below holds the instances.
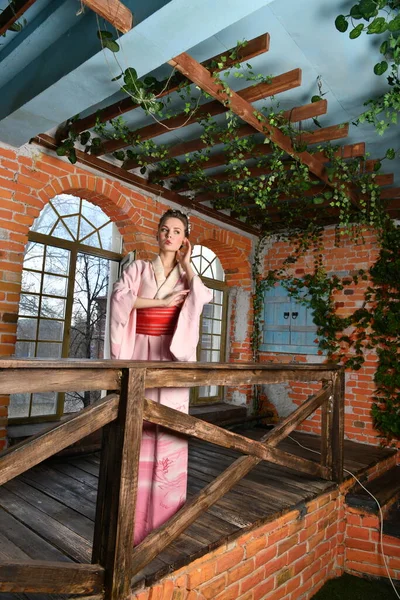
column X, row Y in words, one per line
column 234, row 261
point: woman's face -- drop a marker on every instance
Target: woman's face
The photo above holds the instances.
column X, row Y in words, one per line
column 171, row 235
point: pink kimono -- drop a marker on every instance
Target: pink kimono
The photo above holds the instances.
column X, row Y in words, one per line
column 163, row 455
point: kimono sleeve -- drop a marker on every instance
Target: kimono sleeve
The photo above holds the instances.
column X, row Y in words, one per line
column 186, row 337
column 122, row 313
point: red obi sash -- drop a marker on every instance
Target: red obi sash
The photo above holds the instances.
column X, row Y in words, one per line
column 157, row 321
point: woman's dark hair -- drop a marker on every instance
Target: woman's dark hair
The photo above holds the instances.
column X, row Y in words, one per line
column 176, row 214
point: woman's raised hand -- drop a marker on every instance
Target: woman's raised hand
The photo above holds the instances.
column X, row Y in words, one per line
column 176, row 298
column 184, row 253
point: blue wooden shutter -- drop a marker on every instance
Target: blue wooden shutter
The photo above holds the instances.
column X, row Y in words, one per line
column 288, row 325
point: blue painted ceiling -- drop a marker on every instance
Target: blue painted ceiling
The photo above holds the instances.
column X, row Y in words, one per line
column 54, row 68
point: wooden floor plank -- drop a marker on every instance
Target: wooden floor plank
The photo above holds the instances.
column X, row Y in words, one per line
column 48, row 511
column 57, row 534
column 64, row 514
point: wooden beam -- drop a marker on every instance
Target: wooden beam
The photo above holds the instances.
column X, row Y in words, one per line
column 390, row 193
column 50, row 577
column 105, row 167
column 324, row 134
column 281, row 83
column 211, row 493
column 348, row 151
column 12, row 12
column 243, row 109
column 118, row 482
column 18, row 459
column 112, row 11
column 299, row 113
column 253, row 48
column 186, row 424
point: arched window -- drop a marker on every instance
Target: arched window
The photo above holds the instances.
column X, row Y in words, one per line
column 70, row 263
column 211, row 346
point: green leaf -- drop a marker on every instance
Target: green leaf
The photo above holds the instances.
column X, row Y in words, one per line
column 378, row 25
column 143, row 170
column 85, row 137
column 111, row 45
column 117, row 77
column 368, row 9
column 119, row 155
column 390, row 154
column 149, row 82
column 72, row 156
column 356, row 32
column 355, row 12
column 394, row 25
column 341, row 24
column 61, row 151
column 316, row 98
column 104, row 35
column 318, row 200
column 377, row 166
column 384, row 47
column 380, row 68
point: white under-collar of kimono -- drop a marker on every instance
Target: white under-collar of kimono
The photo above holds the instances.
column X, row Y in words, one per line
column 165, row 285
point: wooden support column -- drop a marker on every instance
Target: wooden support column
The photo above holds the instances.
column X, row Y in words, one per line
column 337, row 435
column 118, row 480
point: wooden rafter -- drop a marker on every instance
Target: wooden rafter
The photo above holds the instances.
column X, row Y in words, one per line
column 298, row 113
column 13, row 12
column 324, row 134
column 132, row 179
column 254, row 47
column 243, row 109
column 113, row 11
column 281, row 83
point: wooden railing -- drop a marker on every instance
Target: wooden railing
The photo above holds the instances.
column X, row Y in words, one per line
column 121, row 413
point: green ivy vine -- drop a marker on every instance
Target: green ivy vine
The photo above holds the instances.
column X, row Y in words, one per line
column 347, row 340
column 378, row 17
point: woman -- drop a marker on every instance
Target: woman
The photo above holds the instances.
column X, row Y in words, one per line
column 155, row 311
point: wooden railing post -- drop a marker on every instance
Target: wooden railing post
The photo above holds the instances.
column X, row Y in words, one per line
column 338, row 425
column 118, row 479
column 326, row 433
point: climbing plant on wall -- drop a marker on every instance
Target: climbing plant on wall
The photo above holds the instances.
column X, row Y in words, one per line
column 349, row 339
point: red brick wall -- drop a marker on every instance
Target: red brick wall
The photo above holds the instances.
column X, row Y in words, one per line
column 349, row 256
column 26, row 185
column 287, row 559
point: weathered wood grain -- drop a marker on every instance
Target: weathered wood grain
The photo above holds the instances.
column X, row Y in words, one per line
column 118, row 480
column 182, row 423
column 50, row 577
column 23, row 456
column 113, row 11
column 56, row 380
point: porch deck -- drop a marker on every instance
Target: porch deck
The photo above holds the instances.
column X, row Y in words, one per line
column 49, row 511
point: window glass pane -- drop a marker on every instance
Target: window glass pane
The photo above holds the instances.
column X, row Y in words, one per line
column 44, row 403
column 92, row 240
column 26, row 329
column 57, row 260
column 48, row 350
column 45, row 221
column 215, row 356
column 25, row 349
column 60, row 231
column 216, row 342
column 94, row 214
column 85, row 229
column 208, row 392
column 54, row 285
column 29, row 305
column 217, row 311
column 19, row 406
column 72, row 224
column 208, row 272
column 110, row 237
column 53, row 308
column 89, row 307
column 217, row 296
column 33, row 257
column 208, row 311
column 51, row 330
column 216, row 326
column 206, row 341
column 205, row 356
column 65, row 204
column 31, row 281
